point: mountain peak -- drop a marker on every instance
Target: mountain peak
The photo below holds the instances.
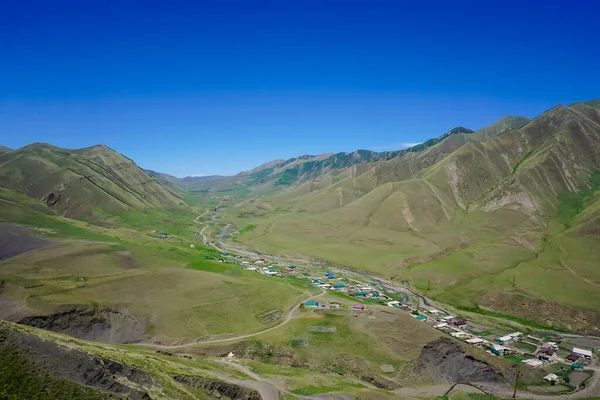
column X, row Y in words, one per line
column 460, row 129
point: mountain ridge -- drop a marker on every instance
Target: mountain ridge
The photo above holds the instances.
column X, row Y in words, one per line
column 78, row 183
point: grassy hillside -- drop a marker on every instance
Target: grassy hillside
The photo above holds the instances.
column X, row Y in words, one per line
column 41, row 364
column 462, row 216
column 173, row 291
column 87, row 183
column 4, row 149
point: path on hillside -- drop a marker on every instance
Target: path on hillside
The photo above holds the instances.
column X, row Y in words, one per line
column 591, row 389
column 564, row 264
column 204, row 238
column 287, row 319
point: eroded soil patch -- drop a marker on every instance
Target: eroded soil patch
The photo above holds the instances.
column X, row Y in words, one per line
column 15, row 240
column 106, row 325
column 445, row 360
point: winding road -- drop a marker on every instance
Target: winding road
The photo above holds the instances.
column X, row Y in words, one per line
column 269, row 392
column 287, row 319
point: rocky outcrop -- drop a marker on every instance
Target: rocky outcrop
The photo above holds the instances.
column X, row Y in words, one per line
column 445, row 360
column 105, row 325
column 47, row 362
column 219, row 390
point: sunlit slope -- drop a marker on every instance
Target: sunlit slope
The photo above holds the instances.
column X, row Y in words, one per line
column 460, row 212
column 79, row 183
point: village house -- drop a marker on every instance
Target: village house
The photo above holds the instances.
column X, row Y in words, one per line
column 475, row 341
column 460, row 323
column 393, row 303
column 548, row 351
column 573, row 357
column 507, row 339
column 551, row 378
column 333, row 304
column 339, row 286
column 532, row 362
column 360, row 294
column 311, row 304
column 499, row 350
column 358, row 307
column 583, row 353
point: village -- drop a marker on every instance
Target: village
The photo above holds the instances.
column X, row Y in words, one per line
column 568, row 363
column 536, row 352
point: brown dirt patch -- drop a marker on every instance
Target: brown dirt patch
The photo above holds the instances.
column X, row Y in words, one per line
column 577, row 377
column 443, row 359
column 314, row 316
column 542, row 311
column 15, row 240
column 106, row 325
column 126, row 259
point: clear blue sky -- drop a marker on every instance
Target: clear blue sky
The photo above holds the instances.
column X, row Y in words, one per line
column 215, row 87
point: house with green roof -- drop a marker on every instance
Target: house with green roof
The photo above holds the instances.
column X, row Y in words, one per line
column 311, row 304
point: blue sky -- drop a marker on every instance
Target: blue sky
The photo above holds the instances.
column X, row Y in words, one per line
column 215, row 87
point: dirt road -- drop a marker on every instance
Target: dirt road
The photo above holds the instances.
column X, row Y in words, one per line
column 287, row 319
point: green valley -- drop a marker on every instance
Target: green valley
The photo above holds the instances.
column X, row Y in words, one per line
column 312, row 275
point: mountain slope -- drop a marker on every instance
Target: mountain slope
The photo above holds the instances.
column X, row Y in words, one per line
column 518, row 197
column 82, row 183
column 4, row 149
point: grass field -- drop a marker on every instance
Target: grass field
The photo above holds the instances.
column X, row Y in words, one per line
column 176, row 291
column 469, row 261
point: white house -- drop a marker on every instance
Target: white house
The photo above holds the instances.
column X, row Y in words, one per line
column 393, row 303
column 533, row 362
column 582, row 352
column 251, row 269
column 551, row 378
column 441, row 325
column 474, row 341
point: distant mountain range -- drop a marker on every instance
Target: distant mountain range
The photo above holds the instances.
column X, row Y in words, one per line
column 493, row 219
column 467, row 213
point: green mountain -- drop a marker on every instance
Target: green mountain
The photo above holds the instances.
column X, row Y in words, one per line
column 82, row 183
column 279, row 175
column 485, row 219
column 4, row 149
